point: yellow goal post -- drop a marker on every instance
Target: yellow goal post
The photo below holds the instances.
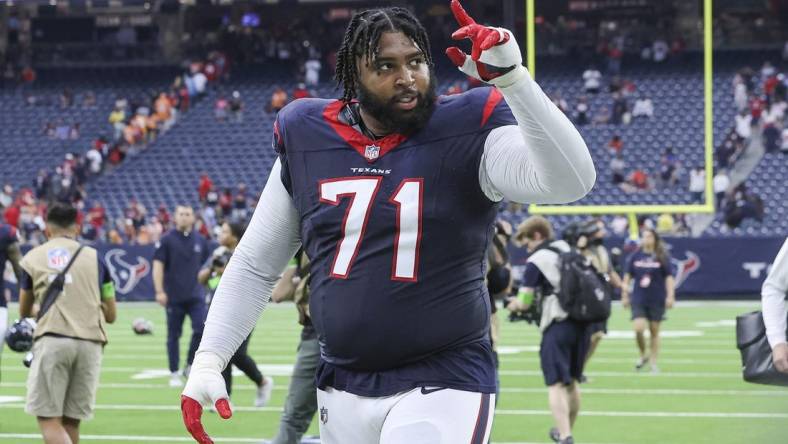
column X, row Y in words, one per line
column 633, row 210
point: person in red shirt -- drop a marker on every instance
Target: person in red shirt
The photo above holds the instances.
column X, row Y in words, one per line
column 639, row 179
column 300, row 92
column 205, row 186
column 616, row 145
column 757, row 105
column 28, row 75
column 11, row 216
column 770, row 84
column 164, row 216
column 97, row 216
column 226, row 201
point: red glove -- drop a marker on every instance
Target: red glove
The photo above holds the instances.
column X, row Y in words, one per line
column 192, row 414
column 495, row 56
column 204, row 387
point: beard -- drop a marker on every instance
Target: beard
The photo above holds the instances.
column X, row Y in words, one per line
column 396, row 120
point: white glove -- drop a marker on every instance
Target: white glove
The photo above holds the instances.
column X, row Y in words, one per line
column 495, row 56
column 205, row 386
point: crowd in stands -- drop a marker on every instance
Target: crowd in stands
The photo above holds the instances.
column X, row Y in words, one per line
column 761, row 101
column 25, row 208
column 622, row 112
column 134, row 123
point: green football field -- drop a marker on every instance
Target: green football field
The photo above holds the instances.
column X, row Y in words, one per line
column 699, row 396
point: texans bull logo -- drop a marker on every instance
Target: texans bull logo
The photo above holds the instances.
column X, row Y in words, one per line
column 685, row 267
column 126, row 275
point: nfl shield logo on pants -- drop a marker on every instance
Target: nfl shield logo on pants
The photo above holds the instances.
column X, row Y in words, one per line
column 323, row 415
column 372, row 152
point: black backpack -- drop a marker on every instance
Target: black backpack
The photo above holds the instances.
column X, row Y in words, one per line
column 584, row 293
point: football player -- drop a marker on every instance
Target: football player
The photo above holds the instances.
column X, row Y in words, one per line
column 393, row 192
column 9, row 250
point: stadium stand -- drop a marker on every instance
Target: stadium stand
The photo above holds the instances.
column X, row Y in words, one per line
column 21, row 124
column 238, row 152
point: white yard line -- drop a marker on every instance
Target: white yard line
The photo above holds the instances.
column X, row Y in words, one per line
column 135, row 438
column 144, row 438
column 281, row 373
column 652, row 414
column 660, row 392
column 632, row 374
column 145, row 407
column 508, row 412
column 585, row 390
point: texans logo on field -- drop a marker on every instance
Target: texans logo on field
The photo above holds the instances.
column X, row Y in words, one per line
column 685, row 267
column 126, row 275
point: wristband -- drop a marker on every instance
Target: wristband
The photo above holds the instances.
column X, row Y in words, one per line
column 526, row 297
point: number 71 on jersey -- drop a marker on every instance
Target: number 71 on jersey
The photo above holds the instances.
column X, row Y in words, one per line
column 408, row 200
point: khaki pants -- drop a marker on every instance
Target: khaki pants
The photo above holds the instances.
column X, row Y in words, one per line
column 63, row 378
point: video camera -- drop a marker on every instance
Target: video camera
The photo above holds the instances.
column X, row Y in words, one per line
column 221, row 260
column 575, row 230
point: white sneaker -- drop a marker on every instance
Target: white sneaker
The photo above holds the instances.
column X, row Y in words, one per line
column 654, row 369
column 175, row 380
column 264, row 392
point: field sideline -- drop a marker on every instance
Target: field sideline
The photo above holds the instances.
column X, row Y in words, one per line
column 698, row 397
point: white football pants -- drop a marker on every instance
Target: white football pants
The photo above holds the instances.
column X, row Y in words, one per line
column 419, row 416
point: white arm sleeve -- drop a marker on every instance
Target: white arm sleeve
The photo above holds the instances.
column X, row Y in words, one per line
column 541, row 160
column 270, row 241
column 773, row 298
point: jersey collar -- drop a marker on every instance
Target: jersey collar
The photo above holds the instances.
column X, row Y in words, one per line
column 369, row 149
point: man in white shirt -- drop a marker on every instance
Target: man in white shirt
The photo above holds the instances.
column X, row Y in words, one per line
column 200, row 81
column 643, row 108
column 784, row 144
column 774, row 315
column 720, row 185
column 94, row 160
column 312, row 68
column 744, row 125
column 697, row 183
column 592, row 80
column 660, row 50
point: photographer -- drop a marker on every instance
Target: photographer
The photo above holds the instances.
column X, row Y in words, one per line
column 209, row 275
column 564, row 341
column 589, row 238
column 70, row 334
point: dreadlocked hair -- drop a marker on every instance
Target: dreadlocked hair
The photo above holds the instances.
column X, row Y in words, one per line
column 363, row 36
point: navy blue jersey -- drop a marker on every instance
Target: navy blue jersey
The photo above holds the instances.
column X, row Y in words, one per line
column 648, row 275
column 396, row 230
column 7, row 238
column 182, row 255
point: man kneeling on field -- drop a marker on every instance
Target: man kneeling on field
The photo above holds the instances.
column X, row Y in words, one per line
column 564, row 341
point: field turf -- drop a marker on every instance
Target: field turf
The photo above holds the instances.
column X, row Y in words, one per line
column 698, row 397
